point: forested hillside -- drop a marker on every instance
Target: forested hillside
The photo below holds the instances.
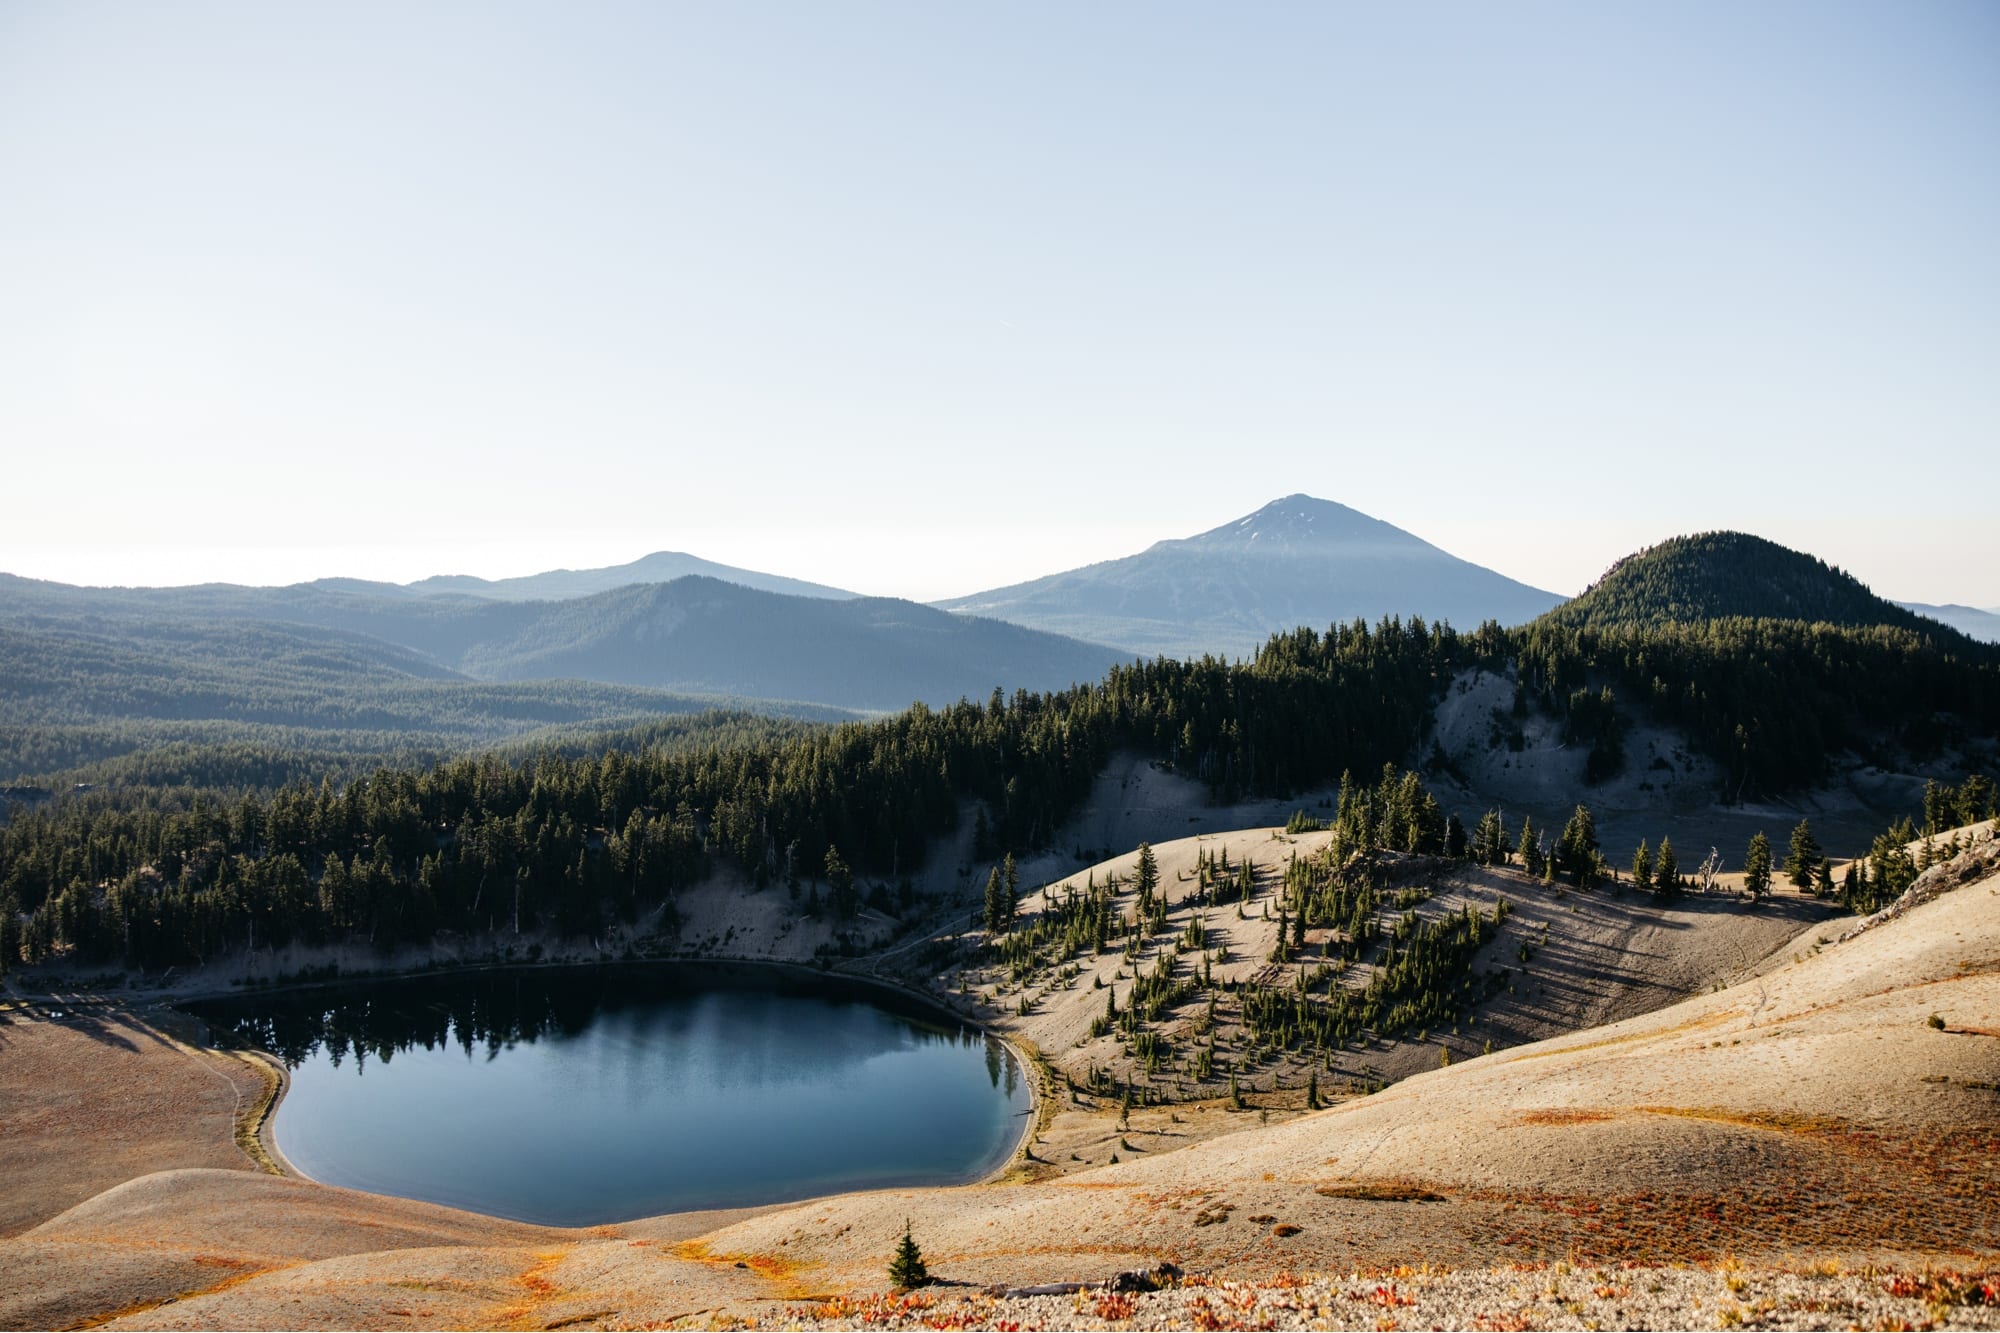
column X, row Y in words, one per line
column 574, row 824
column 1731, row 576
column 125, row 698
column 156, row 877
column 563, row 839
column 1771, row 661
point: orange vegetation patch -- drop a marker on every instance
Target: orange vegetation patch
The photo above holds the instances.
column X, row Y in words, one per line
column 1934, row 1191
column 1562, row 1115
column 771, row 1267
column 539, row 1287
column 1946, row 1289
column 1115, row 1305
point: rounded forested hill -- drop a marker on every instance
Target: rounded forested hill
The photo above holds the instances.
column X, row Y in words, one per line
column 1729, row 575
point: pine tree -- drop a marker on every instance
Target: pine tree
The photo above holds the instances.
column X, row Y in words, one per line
column 1802, row 864
column 906, row 1266
column 1667, row 869
column 1757, row 867
column 840, row 883
column 1148, row 873
column 998, row 905
column 1642, row 867
column 10, row 933
column 1489, row 840
column 1577, row 850
column 1454, row 837
column 1531, row 847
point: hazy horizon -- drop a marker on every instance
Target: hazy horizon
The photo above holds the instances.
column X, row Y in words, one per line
column 507, row 562
column 922, row 301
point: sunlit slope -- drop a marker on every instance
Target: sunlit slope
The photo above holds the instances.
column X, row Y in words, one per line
column 1839, row 1106
column 1816, row 1110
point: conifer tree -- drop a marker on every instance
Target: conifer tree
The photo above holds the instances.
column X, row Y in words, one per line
column 1667, row 869
column 1577, row 850
column 10, row 933
column 1757, row 867
column 840, row 883
column 1531, row 847
column 1489, row 840
column 1802, row 864
column 1454, row 837
column 998, row 904
column 1642, row 867
column 906, row 1266
column 1147, row 874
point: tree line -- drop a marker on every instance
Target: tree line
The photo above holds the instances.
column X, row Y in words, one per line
column 571, row 838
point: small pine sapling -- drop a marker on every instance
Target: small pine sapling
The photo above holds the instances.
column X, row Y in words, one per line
column 906, row 1266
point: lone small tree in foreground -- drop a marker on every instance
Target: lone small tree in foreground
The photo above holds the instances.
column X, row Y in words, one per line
column 906, row 1267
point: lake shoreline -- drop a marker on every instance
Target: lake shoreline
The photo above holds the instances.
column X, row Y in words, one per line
column 886, row 994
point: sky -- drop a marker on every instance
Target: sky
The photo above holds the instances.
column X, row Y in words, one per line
column 918, row 299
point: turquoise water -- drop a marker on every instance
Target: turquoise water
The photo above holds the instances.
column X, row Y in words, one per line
column 576, row 1096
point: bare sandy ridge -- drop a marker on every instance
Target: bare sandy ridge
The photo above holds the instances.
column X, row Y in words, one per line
column 1826, row 1070
column 96, row 1096
column 1594, row 958
column 1811, row 1112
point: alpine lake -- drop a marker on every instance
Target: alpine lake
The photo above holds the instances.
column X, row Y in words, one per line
column 577, row 1096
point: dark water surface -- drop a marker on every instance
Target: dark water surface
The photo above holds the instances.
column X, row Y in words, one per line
column 574, row 1096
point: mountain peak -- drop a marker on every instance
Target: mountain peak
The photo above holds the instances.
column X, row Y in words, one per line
column 1299, row 560
column 655, row 567
column 1298, row 523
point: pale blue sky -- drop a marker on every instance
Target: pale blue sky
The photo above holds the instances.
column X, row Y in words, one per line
column 922, row 298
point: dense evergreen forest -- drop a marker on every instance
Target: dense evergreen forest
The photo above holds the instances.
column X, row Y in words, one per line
column 1772, row 701
column 1732, row 576
column 582, row 831
column 154, row 877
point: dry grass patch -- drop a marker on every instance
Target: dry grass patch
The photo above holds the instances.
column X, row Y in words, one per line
column 1562, row 1116
column 1380, row 1191
column 1627, row 1039
column 1777, row 1122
